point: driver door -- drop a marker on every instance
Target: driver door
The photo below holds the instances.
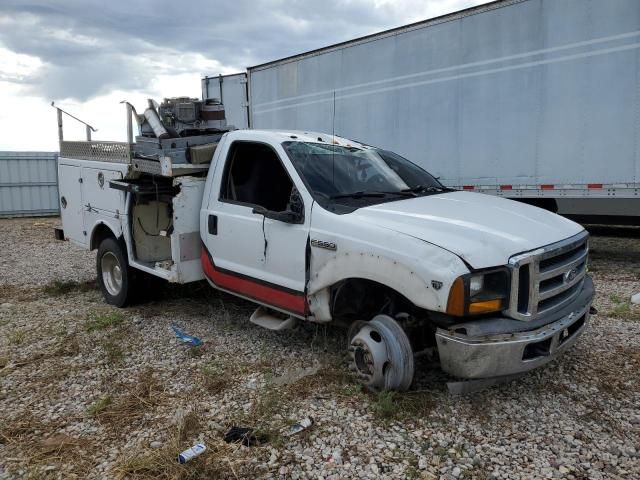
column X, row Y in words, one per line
column 256, row 257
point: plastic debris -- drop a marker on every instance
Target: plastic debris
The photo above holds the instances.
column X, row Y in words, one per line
column 294, row 376
column 242, row 435
column 301, row 426
column 635, row 299
column 188, row 339
column 191, row 453
column 57, row 442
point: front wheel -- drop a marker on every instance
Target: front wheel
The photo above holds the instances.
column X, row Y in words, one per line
column 381, row 354
column 114, row 275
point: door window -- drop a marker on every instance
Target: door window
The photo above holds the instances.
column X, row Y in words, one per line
column 255, row 176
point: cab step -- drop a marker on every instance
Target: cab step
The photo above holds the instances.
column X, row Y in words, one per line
column 272, row 321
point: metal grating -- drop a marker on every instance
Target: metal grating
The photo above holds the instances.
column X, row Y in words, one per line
column 117, row 152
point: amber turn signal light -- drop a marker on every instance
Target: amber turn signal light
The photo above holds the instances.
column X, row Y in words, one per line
column 455, row 304
column 486, row 306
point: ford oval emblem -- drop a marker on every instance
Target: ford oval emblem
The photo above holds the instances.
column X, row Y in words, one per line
column 570, row 275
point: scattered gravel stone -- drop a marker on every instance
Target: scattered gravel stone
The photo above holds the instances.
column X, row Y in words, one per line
column 129, row 390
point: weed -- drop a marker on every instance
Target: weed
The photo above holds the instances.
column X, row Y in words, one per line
column 104, row 320
column 188, row 426
column 161, row 463
column 196, row 351
column 100, row 405
column 351, row 390
column 625, row 311
column 58, row 287
column 17, row 337
column 144, row 395
column 215, row 378
column 4, row 361
column 70, row 347
column 113, row 350
column 385, row 406
column 402, row 406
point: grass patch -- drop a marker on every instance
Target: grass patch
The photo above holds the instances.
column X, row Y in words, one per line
column 4, row 361
column 104, row 320
column 196, row 351
column 143, row 395
column 70, row 347
column 113, row 350
column 100, row 405
column 216, row 378
column 161, row 463
column 58, row 288
column 17, row 337
column 150, row 464
column 36, row 446
column 385, row 405
column 389, row 405
column 625, row 311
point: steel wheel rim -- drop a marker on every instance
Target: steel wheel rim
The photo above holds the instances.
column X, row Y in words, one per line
column 111, row 273
column 381, row 354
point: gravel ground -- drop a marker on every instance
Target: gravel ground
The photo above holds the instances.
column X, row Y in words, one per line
column 90, row 391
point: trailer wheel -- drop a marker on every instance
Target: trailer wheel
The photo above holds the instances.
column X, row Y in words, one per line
column 114, row 275
column 381, row 354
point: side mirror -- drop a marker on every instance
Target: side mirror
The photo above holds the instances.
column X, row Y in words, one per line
column 287, row 216
column 293, row 214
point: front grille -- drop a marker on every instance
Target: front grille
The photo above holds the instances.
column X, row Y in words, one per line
column 548, row 278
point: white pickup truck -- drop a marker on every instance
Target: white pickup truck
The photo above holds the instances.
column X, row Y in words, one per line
column 323, row 229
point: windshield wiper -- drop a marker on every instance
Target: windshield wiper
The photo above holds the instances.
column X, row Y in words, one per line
column 362, row 193
column 359, row 194
column 422, row 188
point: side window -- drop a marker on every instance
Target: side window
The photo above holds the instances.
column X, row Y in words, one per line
column 254, row 175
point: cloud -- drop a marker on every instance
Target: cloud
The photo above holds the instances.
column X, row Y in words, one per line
column 82, row 52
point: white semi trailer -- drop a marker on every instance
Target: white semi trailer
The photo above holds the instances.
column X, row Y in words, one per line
column 535, row 100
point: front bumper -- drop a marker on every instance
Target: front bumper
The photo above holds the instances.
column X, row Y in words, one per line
column 465, row 355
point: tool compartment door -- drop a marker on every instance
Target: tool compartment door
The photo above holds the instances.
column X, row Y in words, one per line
column 71, row 207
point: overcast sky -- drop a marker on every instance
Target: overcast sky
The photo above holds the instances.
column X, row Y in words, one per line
column 88, row 55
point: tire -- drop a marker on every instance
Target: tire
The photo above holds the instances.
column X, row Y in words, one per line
column 115, row 277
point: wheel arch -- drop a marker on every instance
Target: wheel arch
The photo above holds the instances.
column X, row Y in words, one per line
column 101, row 230
column 349, row 270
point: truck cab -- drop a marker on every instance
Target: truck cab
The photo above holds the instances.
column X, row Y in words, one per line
column 314, row 227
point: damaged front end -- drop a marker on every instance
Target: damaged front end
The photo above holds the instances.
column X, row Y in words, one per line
column 550, row 298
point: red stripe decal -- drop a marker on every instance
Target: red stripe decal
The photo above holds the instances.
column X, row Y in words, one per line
column 594, row 185
column 506, row 187
column 468, row 187
column 547, row 187
column 292, row 302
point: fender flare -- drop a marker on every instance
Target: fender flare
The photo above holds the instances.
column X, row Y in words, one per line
column 114, row 227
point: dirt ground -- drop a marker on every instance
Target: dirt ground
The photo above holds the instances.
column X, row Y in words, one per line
column 91, row 391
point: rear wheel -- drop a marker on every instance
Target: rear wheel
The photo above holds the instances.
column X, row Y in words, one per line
column 381, row 354
column 114, row 275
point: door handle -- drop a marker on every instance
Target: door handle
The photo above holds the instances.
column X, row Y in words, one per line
column 213, row 224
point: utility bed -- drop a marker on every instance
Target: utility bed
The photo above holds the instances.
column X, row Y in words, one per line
column 148, row 191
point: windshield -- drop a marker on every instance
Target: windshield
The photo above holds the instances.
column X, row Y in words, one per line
column 347, row 174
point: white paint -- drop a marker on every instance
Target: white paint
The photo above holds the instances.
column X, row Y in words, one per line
column 404, row 244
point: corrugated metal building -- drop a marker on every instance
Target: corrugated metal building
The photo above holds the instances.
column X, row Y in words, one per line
column 28, row 184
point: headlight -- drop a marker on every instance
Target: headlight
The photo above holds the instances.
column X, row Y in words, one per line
column 479, row 292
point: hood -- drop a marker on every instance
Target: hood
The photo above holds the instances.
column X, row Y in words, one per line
column 481, row 229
